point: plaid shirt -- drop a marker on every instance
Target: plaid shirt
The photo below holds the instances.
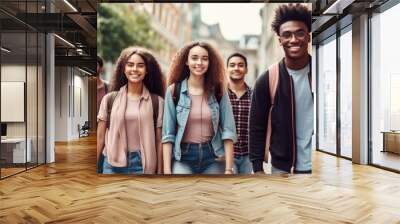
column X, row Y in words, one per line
column 241, row 111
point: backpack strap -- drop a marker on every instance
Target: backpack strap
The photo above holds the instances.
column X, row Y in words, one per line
column 106, row 88
column 110, row 102
column 176, row 92
column 273, row 80
column 154, row 102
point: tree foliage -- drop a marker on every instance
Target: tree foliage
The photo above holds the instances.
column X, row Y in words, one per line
column 120, row 27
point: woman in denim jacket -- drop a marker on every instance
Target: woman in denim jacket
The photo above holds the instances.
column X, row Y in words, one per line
column 198, row 124
column 128, row 132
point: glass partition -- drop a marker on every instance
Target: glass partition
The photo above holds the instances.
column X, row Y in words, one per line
column 385, row 89
column 22, row 89
column 14, row 153
column 327, row 96
column 346, row 93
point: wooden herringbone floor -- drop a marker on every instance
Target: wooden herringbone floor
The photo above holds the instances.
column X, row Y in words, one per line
column 70, row 191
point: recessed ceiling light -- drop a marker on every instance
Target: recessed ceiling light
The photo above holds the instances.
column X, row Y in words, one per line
column 64, row 40
column 70, row 5
column 337, row 7
column 86, row 72
column 5, row 50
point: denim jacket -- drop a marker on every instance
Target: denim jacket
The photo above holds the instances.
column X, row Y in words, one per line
column 174, row 120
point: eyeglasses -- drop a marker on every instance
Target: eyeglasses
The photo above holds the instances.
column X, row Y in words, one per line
column 300, row 35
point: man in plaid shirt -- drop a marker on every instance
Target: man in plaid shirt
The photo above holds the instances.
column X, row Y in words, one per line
column 240, row 96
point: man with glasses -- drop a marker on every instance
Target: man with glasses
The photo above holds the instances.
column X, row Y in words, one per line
column 281, row 114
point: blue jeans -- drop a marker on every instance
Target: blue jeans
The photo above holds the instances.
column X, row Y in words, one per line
column 134, row 165
column 242, row 165
column 276, row 171
column 198, row 159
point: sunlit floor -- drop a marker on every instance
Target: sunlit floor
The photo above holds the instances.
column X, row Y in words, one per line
column 386, row 159
column 14, row 169
column 5, row 172
column 69, row 191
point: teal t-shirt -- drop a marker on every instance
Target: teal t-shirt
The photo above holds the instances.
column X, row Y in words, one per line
column 304, row 117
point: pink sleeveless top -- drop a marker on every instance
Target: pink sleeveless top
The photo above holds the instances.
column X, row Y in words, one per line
column 199, row 125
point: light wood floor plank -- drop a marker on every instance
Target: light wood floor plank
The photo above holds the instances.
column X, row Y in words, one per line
column 69, row 191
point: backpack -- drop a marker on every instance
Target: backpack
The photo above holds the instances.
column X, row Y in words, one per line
column 273, row 80
column 106, row 88
column 177, row 89
column 154, row 102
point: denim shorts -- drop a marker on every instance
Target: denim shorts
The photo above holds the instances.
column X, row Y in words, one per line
column 198, row 158
column 134, row 165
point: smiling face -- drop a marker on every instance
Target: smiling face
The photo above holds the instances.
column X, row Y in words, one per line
column 197, row 61
column 294, row 38
column 135, row 69
column 236, row 68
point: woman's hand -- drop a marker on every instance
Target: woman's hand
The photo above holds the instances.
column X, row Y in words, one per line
column 228, row 146
column 167, row 154
column 229, row 171
column 167, row 171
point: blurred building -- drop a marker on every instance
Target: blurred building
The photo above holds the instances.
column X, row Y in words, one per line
column 247, row 45
column 212, row 35
column 269, row 50
column 172, row 23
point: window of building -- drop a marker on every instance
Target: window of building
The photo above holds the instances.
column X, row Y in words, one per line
column 346, row 92
column 22, row 76
column 327, row 95
column 385, row 89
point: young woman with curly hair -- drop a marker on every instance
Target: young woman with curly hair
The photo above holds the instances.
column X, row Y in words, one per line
column 199, row 128
column 130, row 117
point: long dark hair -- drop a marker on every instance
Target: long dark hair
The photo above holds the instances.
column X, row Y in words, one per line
column 154, row 79
column 214, row 78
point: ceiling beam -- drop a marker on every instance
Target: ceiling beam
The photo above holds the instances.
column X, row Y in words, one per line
column 75, row 61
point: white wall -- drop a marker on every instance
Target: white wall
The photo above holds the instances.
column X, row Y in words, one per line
column 71, row 103
column 50, row 98
column 33, row 126
column 61, row 103
column 16, row 73
column 80, row 109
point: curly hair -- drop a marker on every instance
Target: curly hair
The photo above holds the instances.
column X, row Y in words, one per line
column 290, row 12
column 153, row 80
column 214, row 78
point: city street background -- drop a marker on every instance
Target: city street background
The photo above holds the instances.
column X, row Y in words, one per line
column 165, row 27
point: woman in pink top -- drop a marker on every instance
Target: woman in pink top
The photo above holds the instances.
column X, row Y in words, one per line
column 130, row 117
